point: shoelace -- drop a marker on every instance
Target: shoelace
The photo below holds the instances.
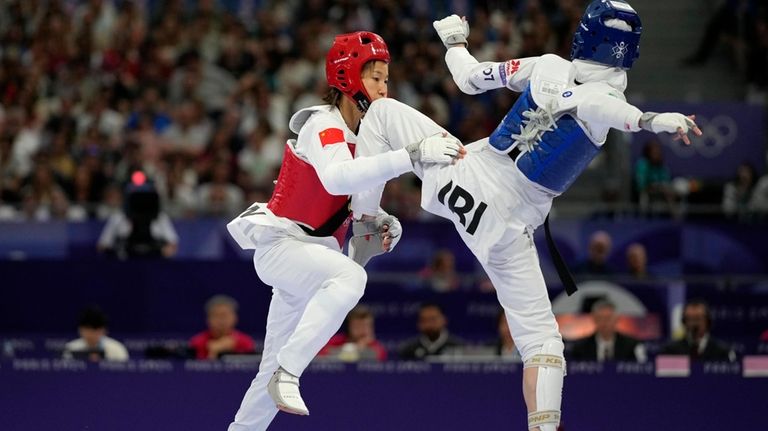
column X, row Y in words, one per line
column 534, row 125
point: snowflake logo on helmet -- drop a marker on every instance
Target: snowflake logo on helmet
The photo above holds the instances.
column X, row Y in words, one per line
column 619, row 49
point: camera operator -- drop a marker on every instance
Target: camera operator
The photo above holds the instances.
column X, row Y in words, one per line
column 142, row 230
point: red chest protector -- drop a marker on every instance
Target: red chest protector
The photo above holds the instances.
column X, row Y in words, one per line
column 300, row 196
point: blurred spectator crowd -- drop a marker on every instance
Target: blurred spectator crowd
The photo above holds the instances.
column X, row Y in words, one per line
column 198, row 94
column 741, row 26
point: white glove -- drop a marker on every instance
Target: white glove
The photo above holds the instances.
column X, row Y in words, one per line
column 452, row 30
column 368, row 237
column 667, row 122
column 670, row 122
column 442, row 148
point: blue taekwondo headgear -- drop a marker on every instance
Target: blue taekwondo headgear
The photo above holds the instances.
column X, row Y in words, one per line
column 597, row 42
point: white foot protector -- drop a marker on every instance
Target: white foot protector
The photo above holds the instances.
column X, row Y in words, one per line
column 283, row 387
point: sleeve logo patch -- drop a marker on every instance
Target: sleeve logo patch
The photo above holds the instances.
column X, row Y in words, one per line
column 512, row 66
column 331, row 136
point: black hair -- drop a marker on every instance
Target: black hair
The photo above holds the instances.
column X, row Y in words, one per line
column 333, row 96
column 698, row 302
column 650, row 143
column 424, row 305
column 189, row 57
column 603, row 303
column 751, row 169
column 92, row 317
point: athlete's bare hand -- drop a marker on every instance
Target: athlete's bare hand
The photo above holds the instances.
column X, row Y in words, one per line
column 461, row 155
column 386, row 238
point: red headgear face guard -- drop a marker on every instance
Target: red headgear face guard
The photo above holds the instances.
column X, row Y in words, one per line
column 345, row 60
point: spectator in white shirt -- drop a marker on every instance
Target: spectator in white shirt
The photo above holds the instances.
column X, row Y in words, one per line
column 94, row 344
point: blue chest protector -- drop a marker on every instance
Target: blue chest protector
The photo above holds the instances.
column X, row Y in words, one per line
column 557, row 156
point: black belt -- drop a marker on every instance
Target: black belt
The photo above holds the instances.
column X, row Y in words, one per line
column 332, row 224
column 562, row 268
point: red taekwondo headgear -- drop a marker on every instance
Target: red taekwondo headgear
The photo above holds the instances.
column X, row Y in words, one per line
column 345, row 60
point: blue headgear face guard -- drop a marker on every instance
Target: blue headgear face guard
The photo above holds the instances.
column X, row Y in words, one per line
column 595, row 41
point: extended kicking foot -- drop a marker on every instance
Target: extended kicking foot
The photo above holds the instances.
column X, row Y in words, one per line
column 283, row 387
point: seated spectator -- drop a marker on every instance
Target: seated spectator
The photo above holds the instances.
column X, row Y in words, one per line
column 94, row 344
column 262, row 154
column 201, row 80
column 88, row 183
column 698, row 344
column 434, row 338
column 32, row 209
column 758, row 203
column 27, row 140
column 598, row 251
column 441, row 275
column 606, row 343
column 652, row 179
column 101, row 117
column 220, row 197
column 144, row 230
column 180, row 183
column 111, row 203
column 190, row 131
column 62, row 209
column 358, row 341
column 637, row 261
column 738, row 193
column 505, row 346
column 42, row 185
column 61, row 160
column 221, row 337
column 10, row 184
column 153, row 106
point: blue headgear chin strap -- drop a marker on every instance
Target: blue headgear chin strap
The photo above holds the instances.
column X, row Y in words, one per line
column 595, row 41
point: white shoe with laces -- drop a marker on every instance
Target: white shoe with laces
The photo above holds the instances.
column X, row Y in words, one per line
column 283, row 387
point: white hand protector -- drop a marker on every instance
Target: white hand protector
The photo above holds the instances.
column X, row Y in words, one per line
column 435, row 149
column 452, row 30
column 668, row 122
column 395, row 229
column 368, row 237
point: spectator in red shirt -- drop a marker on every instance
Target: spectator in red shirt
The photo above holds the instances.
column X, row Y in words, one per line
column 358, row 341
column 221, row 336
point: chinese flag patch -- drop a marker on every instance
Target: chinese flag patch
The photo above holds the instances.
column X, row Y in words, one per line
column 331, row 136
